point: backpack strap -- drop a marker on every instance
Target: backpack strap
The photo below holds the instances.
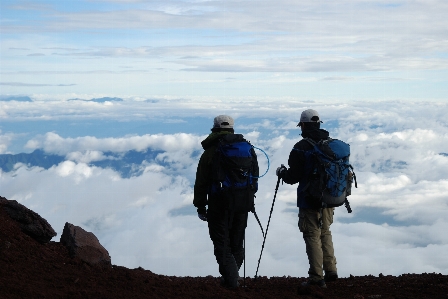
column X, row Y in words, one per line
column 313, row 143
column 310, row 141
column 230, row 138
column 354, row 176
column 347, row 205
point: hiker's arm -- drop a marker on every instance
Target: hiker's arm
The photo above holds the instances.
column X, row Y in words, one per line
column 296, row 162
column 256, row 168
column 202, row 183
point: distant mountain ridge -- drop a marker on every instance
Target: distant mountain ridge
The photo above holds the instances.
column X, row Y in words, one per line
column 101, row 100
column 15, row 98
column 36, row 158
column 127, row 164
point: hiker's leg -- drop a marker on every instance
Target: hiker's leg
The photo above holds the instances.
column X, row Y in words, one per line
column 219, row 234
column 329, row 259
column 237, row 237
column 309, row 226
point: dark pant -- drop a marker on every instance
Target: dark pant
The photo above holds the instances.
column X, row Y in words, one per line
column 226, row 230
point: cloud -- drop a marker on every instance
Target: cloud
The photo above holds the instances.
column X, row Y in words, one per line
column 16, row 98
column 312, row 50
column 243, row 58
column 306, row 37
column 62, row 72
column 33, row 84
column 5, row 140
column 53, row 143
column 85, row 157
column 147, row 220
column 61, row 48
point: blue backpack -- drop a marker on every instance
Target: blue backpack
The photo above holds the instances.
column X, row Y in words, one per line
column 330, row 175
column 235, row 173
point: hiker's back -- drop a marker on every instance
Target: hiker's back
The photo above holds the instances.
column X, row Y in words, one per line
column 311, row 164
column 226, row 169
column 234, row 174
column 329, row 173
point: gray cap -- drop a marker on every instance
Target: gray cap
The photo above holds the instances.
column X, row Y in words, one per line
column 308, row 116
column 223, row 122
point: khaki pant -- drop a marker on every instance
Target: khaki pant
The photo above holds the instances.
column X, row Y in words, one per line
column 319, row 243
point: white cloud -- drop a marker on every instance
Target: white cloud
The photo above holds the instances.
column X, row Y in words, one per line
column 342, row 42
column 79, row 171
column 90, row 148
column 86, row 157
column 5, row 140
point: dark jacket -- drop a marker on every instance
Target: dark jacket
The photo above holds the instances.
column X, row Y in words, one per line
column 298, row 172
column 204, row 181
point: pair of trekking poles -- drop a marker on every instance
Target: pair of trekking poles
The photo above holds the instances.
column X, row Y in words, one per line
column 264, row 235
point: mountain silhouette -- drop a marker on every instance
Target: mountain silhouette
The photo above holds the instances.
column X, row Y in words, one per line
column 127, row 164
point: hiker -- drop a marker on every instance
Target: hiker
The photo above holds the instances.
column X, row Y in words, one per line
column 228, row 206
column 314, row 222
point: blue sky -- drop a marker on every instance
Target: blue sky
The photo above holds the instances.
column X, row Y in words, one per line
column 320, row 50
column 84, row 79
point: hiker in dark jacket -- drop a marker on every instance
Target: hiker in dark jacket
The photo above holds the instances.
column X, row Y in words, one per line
column 318, row 240
column 226, row 227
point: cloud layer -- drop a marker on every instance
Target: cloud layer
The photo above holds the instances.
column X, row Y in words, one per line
column 398, row 224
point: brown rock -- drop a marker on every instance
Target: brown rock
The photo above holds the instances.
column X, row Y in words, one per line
column 29, row 221
column 84, row 245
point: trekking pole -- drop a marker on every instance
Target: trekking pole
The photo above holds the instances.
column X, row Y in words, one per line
column 258, row 220
column 244, row 244
column 267, row 227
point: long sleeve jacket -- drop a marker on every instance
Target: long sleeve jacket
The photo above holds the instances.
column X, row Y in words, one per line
column 204, row 175
column 297, row 171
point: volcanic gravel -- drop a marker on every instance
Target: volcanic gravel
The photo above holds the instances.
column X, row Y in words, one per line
column 29, row 269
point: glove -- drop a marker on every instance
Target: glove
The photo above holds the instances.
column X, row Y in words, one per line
column 202, row 214
column 280, row 172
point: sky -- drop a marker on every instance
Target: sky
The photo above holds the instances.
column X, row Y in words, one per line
column 84, row 79
column 326, row 50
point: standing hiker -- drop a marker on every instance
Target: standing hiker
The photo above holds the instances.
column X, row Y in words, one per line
column 315, row 218
column 226, row 181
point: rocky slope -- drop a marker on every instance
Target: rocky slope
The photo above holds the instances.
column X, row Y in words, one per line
column 37, row 269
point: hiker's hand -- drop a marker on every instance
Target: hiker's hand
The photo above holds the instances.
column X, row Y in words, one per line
column 281, row 171
column 202, row 214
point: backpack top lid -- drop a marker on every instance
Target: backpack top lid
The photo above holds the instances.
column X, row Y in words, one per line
column 234, row 145
column 334, row 149
column 234, row 167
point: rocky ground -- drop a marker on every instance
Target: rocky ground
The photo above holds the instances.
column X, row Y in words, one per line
column 30, row 269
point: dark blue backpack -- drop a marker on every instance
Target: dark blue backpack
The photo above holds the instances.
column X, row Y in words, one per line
column 235, row 173
column 330, row 174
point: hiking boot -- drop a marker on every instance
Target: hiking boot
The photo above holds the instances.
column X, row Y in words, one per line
column 330, row 276
column 227, row 285
column 319, row 283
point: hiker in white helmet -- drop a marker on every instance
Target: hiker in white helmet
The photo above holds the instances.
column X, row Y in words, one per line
column 217, row 175
column 317, row 235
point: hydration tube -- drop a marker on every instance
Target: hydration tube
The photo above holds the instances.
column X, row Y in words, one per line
column 257, row 177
